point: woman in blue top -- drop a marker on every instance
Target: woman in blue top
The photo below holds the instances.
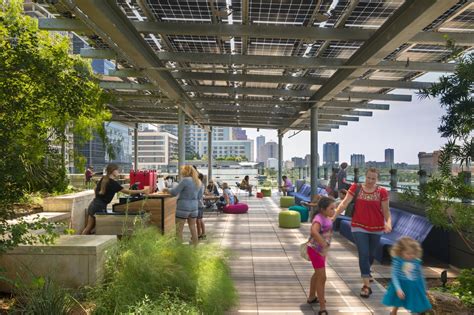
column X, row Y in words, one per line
column 229, row 196
column 189, row 191
column 408, row 288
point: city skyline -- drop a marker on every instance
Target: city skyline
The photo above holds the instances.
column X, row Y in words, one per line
column 408, row 128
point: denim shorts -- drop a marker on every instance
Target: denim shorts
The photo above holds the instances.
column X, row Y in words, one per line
column 95, row 206
column 186, row 214
column 200, row 213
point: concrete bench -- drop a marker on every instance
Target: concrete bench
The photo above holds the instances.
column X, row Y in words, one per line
column 72, row 262
column 52, row 217
column 76, row 204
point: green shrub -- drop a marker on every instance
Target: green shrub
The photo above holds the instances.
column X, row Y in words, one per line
column 169, row 303
column 463, row 287
column 148, row 264
column 42, row 297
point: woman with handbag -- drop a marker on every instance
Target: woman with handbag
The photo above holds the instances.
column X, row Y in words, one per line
column 317, row 248
column 370, row 219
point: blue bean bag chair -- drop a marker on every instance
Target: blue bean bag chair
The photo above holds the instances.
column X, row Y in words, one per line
column 304, row 212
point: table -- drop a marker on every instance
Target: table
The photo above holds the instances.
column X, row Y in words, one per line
column 161, row 206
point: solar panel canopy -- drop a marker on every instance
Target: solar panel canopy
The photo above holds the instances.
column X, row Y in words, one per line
column 265, row 64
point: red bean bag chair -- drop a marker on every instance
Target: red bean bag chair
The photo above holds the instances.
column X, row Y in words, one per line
column 237, row 208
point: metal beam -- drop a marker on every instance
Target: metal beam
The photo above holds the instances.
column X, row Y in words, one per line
column 246, row 91
column 353, row 105
column 278, row 61
column 392, row 84
column 409, row 19
column 338, row 117
column 127, row 86
column 345, row 112
column 209, row 76
column 70, row 25
column 92, row 53
column 260, row 31
column 302, row 62
column 254, row 30
column 125, row 73
column 375, row 96
column 112, row 25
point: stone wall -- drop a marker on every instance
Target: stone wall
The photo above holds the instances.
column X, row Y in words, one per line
column 76, row 204
column 73, row 261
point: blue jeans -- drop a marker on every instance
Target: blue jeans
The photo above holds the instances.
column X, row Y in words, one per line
column 366, row 244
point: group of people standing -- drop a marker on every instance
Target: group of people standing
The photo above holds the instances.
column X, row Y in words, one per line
column 371, row 218
column 190, row 203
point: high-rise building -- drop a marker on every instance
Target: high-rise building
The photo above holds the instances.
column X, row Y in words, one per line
column 331, row 154
column 194, row 134
column 260, row 142
column 357, row 160
column 307, row 160
column 298, row 162
column 239, row 134
column 389, row 158
column 156, row 149
column 429, row 161
column 95, row 153
column 268, row 151
column 228, row 148
column 271, row 163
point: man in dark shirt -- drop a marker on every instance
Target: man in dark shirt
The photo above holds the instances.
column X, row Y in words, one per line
column 88, row 175
column 342, row 177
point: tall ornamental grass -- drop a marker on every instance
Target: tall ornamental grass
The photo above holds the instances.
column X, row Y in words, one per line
column 148, row 268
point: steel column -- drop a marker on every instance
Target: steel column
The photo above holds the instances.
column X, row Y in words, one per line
column 314, row 151
column 209, row 154
column 181, row 139
column 280, row 158
column 135, row 147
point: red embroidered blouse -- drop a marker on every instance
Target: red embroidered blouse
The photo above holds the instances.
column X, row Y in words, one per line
column 368, row 213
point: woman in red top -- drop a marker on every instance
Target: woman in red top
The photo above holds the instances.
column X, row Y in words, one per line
column 370, row 220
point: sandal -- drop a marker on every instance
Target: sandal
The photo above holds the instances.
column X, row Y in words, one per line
column 365, row 292
column 313, row 301
column 323, row 312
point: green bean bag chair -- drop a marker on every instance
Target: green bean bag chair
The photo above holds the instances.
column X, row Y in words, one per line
column 289, row 219
column 287, row 201
column 267, row 192
column 304, row 212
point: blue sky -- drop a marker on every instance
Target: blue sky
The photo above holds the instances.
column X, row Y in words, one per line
column 408, row 127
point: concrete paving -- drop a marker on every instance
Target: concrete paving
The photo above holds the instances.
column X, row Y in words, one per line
column 270, row 275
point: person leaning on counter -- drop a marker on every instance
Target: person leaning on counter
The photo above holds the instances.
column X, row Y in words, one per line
column 105, row 191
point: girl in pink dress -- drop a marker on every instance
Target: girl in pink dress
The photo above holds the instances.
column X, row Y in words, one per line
column 318, row 245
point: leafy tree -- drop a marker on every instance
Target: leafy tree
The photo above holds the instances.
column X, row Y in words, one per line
column 442, row 193
column 43, row 91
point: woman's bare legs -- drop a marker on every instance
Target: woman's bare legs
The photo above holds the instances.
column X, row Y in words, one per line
column 179, row 228
column 89, row 226
column 193, row 230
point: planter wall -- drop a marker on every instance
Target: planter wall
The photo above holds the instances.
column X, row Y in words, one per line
column 73, row 261
column 76, row 204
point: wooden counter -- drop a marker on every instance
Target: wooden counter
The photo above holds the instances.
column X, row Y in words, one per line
column 162, row 209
